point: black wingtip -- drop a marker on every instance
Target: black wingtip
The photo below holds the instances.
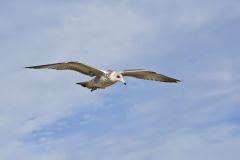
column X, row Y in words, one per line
column 33, row 67
column 178, row 81
column 173, row 81
column 27, row 67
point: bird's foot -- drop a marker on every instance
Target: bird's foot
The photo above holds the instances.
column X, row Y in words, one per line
column 93, row 89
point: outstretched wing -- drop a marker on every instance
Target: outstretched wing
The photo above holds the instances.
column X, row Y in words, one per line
column 148, row 75
column 75, row 66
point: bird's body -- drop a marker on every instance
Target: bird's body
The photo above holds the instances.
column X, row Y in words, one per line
column 103, row 79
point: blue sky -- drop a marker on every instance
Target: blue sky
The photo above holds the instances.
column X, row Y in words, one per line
column 44, row 115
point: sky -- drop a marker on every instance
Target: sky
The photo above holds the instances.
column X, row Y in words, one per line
column 45, row 115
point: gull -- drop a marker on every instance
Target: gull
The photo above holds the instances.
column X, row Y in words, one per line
column 102, row 78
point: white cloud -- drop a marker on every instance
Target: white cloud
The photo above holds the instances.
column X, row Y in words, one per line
column 88, row 32
column 205, row 143
column 158, row 122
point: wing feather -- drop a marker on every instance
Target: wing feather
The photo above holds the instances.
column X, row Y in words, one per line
column 148, row 75
column 74, row 66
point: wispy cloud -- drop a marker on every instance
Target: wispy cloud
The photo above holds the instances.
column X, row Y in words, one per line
column 44, row 115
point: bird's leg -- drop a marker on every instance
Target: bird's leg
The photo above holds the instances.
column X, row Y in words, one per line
column 93, row 89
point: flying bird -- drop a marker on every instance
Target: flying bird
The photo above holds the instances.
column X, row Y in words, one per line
column 102, row 78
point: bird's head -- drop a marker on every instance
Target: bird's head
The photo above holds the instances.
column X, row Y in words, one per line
column 117, row 76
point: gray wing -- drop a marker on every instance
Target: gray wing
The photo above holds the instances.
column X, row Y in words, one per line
column 75, row 66
column 148, row 75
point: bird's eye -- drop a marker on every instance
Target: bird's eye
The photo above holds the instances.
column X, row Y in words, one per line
column 118, row 76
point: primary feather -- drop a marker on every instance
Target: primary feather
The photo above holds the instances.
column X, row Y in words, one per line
column 148, row 75
column 75, row 66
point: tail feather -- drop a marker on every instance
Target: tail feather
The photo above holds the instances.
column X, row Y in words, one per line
column 87, row 85
column 84, row 84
